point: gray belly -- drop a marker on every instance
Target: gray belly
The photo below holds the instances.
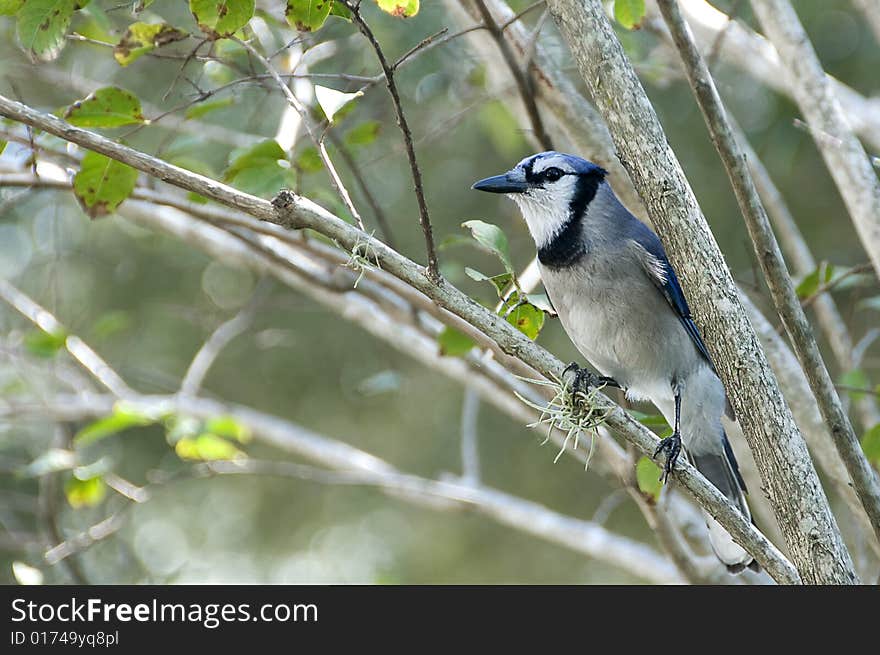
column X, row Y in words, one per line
column 624, row 327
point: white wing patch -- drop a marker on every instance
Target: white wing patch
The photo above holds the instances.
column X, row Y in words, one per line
column 652, row 265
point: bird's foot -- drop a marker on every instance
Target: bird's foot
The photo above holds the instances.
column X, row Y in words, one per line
column 578, row 381
column 671, row 447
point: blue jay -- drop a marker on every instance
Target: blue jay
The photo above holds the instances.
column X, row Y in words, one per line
column 619, row 300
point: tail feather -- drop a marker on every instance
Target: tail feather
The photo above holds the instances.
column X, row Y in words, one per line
column 722, row 470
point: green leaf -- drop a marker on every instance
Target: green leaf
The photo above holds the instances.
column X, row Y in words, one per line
column 260, row 170
column 526, row 318
column 871, row 444
column 218, row 18
column 629, row 13
column 44, row 344
column 10, row 7
column 141, row 38
column 102, row 184
column 812, row 281
column 309, row 161
column 331, row 100
column 206, row 447
column 492, row 238
column 650, row 420
column 454, row 343
column 2, row 146
column 42, row 27
column 203, row 108
column 648, row 478
column 107, row 107
column 307, row 15
column 341, row 11
column 54, row 459
column 363, row 134
column 85, row 493
column 399, row 8
column 500, row 282
column 227, row 426
column 541, row 301
column 122, row 418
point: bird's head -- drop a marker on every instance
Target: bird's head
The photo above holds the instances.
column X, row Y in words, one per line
column 550, row 188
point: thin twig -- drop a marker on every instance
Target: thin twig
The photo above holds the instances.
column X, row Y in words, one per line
column 432, row 271
column 80, row 351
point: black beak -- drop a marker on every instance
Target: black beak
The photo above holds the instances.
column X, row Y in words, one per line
column 501, row 184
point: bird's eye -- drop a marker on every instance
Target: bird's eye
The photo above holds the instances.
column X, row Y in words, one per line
column 553, row 174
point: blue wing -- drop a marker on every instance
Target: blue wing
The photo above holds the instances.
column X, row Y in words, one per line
column 667, row 282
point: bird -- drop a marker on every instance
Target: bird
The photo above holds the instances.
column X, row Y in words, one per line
column 620, row 303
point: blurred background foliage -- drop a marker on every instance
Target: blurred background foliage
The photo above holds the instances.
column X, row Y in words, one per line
column 147, row 302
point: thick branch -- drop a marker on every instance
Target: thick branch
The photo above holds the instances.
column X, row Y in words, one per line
column 292, row 210
column 782, row 291
column 787, row 472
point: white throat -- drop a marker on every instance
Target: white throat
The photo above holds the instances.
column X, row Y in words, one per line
column 546, row 211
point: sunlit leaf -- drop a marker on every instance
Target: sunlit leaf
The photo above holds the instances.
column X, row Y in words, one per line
column 493, row 239
column 629, row 13
column 221, row 17
column 363, row 134
column 648, row 478
column 44, row 344
column 227, row 426
column 107, row 107
column 871, row 444
column 102, row 184
column 85, row 493
column 10, row 7
column 399, row 8
column 42, row 27
column 122, row 418
column 307, row 15
column 454, row 343
column 855, row 379
column 206, row 447
column 203, row 108
column 141, row 38
column 526, row 318
column 331, row 100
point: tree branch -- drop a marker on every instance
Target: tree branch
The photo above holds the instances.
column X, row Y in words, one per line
column 291, row 210
column 787, row 472
column 782, row 291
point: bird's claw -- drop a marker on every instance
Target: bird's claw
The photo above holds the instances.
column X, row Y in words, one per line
column 577, row 379
column 671, row 446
